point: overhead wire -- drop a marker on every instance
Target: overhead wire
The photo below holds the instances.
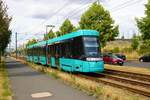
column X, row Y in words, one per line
column 118, row 7
column 59, row 10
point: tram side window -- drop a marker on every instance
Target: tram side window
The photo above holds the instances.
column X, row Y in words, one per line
column 65, row 49
column 59, row 52
column 43, row 51
column 50, row 50
column 38, row 51
column 29, row 52
column 69, row 50
column 35, row 51
column 53, row 50
column 77, row 47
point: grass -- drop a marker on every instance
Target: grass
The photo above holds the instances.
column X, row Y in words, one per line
column 98, row 90
column 122, row 47
column 5, row 93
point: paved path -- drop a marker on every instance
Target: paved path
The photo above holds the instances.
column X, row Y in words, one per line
column 25, row 81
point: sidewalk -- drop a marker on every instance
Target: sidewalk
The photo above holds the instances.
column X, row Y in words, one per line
column 26, row 83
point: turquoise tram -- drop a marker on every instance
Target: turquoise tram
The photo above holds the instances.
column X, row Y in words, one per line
column 75, row 52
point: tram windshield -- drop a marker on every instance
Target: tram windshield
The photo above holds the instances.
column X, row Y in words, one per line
column 91, row 46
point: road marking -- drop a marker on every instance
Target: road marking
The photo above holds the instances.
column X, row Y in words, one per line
column 41, row 95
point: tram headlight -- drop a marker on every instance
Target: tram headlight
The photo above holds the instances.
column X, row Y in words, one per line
column 93, row 59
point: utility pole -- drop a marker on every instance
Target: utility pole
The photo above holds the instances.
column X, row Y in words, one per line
column 16, row 44
column 52, row 26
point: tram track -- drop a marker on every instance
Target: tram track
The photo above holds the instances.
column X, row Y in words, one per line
column 134, row 85
column 131, row 75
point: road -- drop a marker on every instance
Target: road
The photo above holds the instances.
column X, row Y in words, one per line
column 137, row 64
column 27, row 84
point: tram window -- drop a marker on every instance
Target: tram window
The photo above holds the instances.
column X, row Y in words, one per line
column 38, row 51
column 52, row 50
column 43, row 51
column 48, row 49
column 32, row 51
column 77, row 47
column 29, row 52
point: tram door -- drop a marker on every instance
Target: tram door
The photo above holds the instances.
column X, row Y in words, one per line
column 57, row 55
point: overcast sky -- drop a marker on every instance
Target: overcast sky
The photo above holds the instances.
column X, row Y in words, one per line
column 31, row 16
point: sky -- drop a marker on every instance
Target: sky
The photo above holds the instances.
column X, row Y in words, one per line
column 30, row 17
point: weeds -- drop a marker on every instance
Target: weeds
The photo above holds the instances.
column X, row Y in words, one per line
column 5, row 93
column 55, row 75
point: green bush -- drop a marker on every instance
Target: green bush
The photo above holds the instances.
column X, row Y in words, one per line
column 116, row 50
column 127, row 50
column 145, row 47
column 135, row 42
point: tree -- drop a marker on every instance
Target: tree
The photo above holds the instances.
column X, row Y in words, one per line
column 135, row 42
column 58, row 33
column 144, row 28
column 66, row 27
column 50, row 35
column 5, row 32
column 30, row 42
column 97, row 18
column 145, row 47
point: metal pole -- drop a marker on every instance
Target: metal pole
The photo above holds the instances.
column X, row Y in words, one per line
column 52, row 26
column 16, row 45
column 46, row 31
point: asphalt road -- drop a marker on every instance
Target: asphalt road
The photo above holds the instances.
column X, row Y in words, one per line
column 137, row 64
column 25, row 82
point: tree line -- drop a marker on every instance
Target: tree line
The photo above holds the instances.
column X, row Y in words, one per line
column 142, row 42
column 5, row 32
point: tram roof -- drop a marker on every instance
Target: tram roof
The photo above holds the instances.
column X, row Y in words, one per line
column 66, row 36
column 74, row 34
